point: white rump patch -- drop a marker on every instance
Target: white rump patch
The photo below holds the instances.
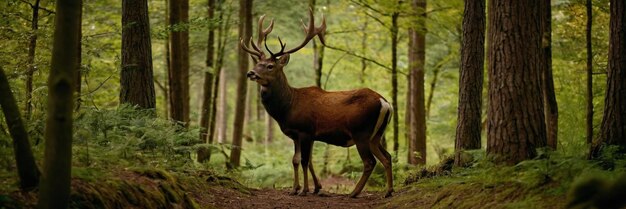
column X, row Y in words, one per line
column 385, row 107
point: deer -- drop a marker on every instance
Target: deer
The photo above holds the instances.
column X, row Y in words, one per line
column 342, row 118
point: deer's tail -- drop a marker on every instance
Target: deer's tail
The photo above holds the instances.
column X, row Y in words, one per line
column 386, row 111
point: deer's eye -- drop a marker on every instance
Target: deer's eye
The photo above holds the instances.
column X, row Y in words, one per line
column 270, row 67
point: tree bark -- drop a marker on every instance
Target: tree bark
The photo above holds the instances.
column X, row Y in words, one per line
column 394, row 75
column 207, row 96
column 222, row 120
column 549, row 98
column 417, row 35
column 471, row 79
column 27, row 170
column 136, row 78
column 589, row 120
column 55, row 181
column 613, row 128
column 516, row 123
column 219, row 83
column 245, row 13
column 184, row 52
column 32, row 47
column 179, row 89
column 79, row 59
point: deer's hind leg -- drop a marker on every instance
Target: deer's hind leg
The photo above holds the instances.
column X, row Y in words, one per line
column 368, row 166
column 385, row 158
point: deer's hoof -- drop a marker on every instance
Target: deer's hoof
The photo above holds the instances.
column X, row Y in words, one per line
column 303, row 193
column 353, row 195
column 317, row 190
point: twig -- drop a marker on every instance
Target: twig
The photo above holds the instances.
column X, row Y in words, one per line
column 333, row 67
column 98, row 87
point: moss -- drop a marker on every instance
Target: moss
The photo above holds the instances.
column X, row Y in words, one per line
column 169, row 193
column 154, row 173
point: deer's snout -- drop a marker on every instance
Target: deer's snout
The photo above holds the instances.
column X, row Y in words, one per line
column 252, row 75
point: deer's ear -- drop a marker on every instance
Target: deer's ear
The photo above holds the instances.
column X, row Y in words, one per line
column 283, row 60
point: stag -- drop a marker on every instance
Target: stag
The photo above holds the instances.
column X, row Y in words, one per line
column 342, row 118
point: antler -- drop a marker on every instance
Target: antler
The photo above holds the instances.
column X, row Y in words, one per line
column 311, row 31
column 262, row 35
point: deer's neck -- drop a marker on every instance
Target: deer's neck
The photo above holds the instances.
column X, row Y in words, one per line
column 277, row 98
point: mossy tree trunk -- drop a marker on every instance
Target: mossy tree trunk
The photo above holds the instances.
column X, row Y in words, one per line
column 55, row 181
column 206, row 116
column 471, row 79
column 613, row 128
column 589, row 93
column 136, row 78
column 245, row 13
column 417, row 55
column 220, row 78
column 551, row 110
column 32, row 46
column 178, row 71
column 26, row 167
column 516, row 125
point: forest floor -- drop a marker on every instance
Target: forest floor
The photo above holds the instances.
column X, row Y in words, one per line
column 141, row 187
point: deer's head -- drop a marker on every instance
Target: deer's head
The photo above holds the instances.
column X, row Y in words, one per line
column 269, row 69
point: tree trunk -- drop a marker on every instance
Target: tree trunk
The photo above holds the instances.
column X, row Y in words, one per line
column 613, row 128
column 245, row 16
column 516, row 123
column 417, row 35
column 471, row 79
column 589, row 126
column 318, row 55
column 394, row 75
column 207, row 102
column 220, row 78
column 179, row 89
column 431, row 93
column 136, row 79
column 27, row 170
column 55, row 181
column 222, row 120
column 269, row 137
column 79, row 59
column 184, row 52
column 32, row 46
column 549, row 98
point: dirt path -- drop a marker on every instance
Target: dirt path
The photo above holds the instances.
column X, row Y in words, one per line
column 279, row 198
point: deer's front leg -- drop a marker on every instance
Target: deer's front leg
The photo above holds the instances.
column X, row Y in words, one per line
column 307, row 145
column 296, row 162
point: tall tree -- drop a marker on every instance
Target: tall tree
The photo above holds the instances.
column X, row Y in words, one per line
column 471, row 79
column 417, row 55
column 318, row 55
column 32, row 46
column 516, row 123
column 179, row 65
column 55, row 181
column 184, row 52
column 394, row 73
column 551, row 110
column 209, row 77
column 219, row 80
column 613, row 128
column 26, row 167
column 589, row 120
column 245, row 17
column 136, row 79
column 79, row 58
